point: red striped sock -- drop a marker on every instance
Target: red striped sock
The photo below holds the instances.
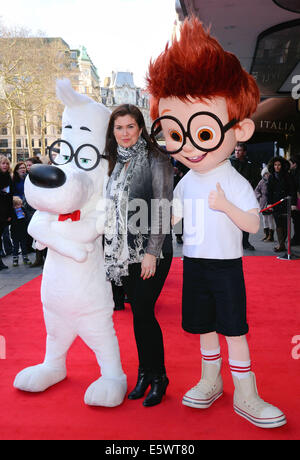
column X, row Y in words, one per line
column 211, row 355
column 240, row 369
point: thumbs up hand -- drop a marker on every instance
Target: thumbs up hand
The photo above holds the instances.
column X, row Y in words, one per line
column 217, row 199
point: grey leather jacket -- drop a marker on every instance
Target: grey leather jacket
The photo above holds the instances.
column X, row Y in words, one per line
column 152, row 182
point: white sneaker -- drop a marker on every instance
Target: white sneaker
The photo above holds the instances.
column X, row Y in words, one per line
column 209, row 388
column 249, row 405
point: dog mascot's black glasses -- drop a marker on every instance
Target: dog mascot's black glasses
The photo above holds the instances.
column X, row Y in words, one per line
column 204, row 129
column 86, row 157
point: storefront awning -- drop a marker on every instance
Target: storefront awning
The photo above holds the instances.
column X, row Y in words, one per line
column 277, row 119
column 277, row 115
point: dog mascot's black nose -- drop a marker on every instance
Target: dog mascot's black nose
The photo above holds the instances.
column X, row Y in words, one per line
column 46, row 176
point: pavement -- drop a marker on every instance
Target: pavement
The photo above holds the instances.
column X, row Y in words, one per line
column 15, row 277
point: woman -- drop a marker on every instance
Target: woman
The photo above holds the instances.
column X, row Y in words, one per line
column 279, row 186
column 6, row 208
column 6, row 243
column 295, row 176
column 261, row 195
column 138, row 251
column 19, row 175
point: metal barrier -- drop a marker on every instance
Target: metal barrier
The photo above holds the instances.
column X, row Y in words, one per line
column 288, row 255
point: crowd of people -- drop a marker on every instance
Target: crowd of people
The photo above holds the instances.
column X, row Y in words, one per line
column 15, row 213
column 280, row 180
column 273, row 182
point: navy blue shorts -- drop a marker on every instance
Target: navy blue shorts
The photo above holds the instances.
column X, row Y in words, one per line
column 214, row 296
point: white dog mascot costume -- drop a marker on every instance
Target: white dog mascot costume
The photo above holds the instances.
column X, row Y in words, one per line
column 69, row 221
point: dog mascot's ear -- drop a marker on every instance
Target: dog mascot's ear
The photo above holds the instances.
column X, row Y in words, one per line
column 68, row 96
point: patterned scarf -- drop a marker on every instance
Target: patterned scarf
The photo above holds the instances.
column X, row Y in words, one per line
column 117, row 254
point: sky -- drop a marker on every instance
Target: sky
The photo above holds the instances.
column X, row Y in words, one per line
column 119, row 35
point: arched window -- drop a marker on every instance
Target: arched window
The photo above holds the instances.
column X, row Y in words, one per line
column 276, row 55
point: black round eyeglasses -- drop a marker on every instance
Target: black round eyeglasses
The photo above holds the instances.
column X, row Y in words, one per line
column 205, row 130
column 86, row 157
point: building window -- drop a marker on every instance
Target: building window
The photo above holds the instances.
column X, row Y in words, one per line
column 4, row 131
column 18, row 143
column 4, row 143
column 277, row 54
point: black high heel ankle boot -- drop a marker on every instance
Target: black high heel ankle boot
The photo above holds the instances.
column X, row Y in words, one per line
column 158, row 388
column 143, row 381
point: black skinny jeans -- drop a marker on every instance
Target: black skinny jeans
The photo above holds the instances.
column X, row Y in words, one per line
column 142, row 295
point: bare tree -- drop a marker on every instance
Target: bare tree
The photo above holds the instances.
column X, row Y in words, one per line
column 9, row 64
column 29, row 66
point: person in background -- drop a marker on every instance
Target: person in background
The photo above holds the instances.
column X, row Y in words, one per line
column 5, row 242
column 138, row 256
column 280, row 186
column 19, row 175
column 29, row 210
column 267, row 216
column 39, row 255
column 6, row 208
column 5, row 164
column 180, row 170
column 19, row 232
column 295, row 175
column 251, row 172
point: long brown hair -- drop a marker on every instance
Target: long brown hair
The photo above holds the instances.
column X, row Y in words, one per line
column 16, row 177
column 111, row 143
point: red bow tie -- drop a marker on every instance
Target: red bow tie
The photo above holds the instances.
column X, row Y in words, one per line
column 74, row 216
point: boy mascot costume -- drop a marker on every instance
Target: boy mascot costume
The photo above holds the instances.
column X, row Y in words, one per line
column 202, row 100
column 77, row 299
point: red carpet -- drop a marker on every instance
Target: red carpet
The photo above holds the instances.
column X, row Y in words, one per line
column 273, row 290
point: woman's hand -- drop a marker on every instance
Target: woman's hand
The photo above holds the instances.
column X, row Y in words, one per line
column 148, row 266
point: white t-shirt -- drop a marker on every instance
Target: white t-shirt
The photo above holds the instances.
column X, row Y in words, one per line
column 208, row 233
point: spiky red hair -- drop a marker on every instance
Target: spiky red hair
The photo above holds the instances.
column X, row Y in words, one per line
column 196, row 66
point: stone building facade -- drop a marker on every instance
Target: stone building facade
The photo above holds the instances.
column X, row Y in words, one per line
column 119, row 89
column 85, row 79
